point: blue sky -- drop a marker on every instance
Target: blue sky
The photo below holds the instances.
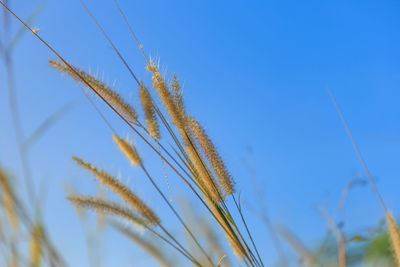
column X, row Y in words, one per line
column 255, row 74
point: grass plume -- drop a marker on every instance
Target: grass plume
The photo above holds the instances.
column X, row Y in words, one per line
column 101, row 88
column 129, row 150
column 203, row 176
column 212, row 156
column 177, row 94
column 125, row 193
column 107, row 207
column 166, row 97
column 150, row 114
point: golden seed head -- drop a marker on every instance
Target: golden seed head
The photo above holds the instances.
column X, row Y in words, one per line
column 166, row 97
column 129, row 150
column 212, row 156
column 202, row 174
column 394, row 236
column 149, row 111
column 125, row 193
column 100, row 87
column 107, row 207
column 177, row 93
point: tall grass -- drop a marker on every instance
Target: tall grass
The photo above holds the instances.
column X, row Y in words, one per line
column 192, row 157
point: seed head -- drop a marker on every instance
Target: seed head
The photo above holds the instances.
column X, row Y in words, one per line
column 101, row 88
column 148, row 107
column 125, row 193
column 129, row 150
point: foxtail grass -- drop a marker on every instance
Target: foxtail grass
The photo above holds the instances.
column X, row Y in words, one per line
column 212, row 156
column 108, row 208
column 125, row 193
column 149, row 111
column 129, row 150
column 100, row 87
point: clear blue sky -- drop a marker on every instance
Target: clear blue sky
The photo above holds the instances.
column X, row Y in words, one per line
column 254, row 72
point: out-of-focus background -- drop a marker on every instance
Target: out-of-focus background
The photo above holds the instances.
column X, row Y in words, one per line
column 255, row 73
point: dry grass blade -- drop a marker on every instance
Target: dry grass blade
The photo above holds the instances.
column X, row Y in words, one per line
column 129, row 150
column 125, row 193
column 152, row 249
column 107, row 207
column 394, row 237
column 101, row 88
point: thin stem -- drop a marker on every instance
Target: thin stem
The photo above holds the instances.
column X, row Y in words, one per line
column 109, row 41
column 155, row 233
column 134, row 36
column 176, row 214
column 179, row 244
column 360, row 157
column 247, row 229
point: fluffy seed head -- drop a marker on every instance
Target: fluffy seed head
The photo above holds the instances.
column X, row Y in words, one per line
column 177, row 93
column 212, row 156
column 166, row 97
column 107, row 207
column 101, row 88
column 125, row 193
column 148, row 107
column 129, row 150
column 201, row 172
